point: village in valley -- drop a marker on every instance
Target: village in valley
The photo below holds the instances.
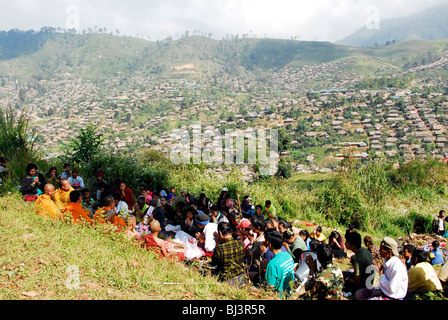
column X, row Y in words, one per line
column 320, row 125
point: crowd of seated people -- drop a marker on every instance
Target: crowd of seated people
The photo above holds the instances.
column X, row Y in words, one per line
column 245, row 243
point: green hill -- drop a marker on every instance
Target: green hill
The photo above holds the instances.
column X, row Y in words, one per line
column 51, row 54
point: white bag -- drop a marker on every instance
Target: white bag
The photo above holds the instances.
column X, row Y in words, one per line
column 191, row 249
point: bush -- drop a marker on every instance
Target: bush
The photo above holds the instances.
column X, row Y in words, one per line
column 124, row 168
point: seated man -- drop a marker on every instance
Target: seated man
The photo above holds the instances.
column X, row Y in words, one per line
column 111, row 217
column 393, row 282
column 75, row 180
column 87, row 201
column 100, row 215
column 328, row 282
column 228, row 256
column 74, row 210
column 280, row 269
column 362, row 263
column 317, row 234
column 206, row 237
column 121, row 207
column 140, row 209
column 62, row 195
column 45, row 206
column 422, row 276
column 159, row 246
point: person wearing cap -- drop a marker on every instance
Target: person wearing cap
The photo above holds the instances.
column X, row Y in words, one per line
column 243, row 230
column 206, row 238
column 393, row 282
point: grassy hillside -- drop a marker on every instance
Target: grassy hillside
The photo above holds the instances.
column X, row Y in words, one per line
column 37, row 255
column 93, row 56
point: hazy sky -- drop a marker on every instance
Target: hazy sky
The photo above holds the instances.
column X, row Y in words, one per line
column 322, row 20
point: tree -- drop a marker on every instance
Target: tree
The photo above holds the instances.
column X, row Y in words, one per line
column 284, row 169
column 86, row 145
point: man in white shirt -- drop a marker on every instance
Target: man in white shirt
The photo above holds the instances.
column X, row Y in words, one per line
column 75, row 180
column 394, row 278
column 207, row 237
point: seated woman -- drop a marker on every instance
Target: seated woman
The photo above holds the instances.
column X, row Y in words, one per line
column 161, row 247
column 52, row 177
column 336, row 242
column 204, row 203
column 33, row 184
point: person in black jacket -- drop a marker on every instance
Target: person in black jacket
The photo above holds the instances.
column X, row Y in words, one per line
column 33, row 183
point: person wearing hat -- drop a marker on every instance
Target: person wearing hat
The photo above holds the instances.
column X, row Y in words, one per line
column 393, row 283
column 206, row 238
column 244, row 231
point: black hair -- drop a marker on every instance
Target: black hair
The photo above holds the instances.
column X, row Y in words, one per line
column 314, row 244
column 324, row 254
column 285, row 223
column 224, row 228
column 214, row 208
column 259, row 206
column 2, row 159
column 420, row 255
column 101, row 184
column 259, row 224
column 51, row 169
column 275, row 238
column 288, row 234
column 435, row 244
column 75, row 195
column 319, row 228
column 354, row 238
column 192, row 210
column 116, row 196
column 305, row 233
column 268, row 202
column 409, row 247
column 30, row 167
column 268, row 231
column 108, row 200
column 85, row 190
column 66, row 165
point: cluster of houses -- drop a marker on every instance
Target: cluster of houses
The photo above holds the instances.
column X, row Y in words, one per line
column 126, row 109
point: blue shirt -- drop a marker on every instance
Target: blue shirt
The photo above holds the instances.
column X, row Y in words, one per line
column 280, row 272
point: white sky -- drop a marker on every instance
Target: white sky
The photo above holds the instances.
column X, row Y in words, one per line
column 321, row 20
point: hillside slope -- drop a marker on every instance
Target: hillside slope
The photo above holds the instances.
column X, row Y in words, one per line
column 94, row 56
